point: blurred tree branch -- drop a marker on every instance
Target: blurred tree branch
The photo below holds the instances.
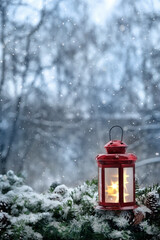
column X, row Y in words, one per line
column 5, row 153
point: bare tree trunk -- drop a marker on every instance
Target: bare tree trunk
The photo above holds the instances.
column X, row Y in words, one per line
column 12, row 136
column 4, row 155
column 3, row 25
column 2, row 79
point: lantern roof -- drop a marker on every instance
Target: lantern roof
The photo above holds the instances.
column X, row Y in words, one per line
column 116, row 157
column 116, row 146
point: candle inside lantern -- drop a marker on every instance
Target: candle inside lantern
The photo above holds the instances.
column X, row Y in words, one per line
column 112, row 185
column 113, row 192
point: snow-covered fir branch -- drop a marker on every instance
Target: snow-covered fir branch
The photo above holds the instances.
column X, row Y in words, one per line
column 69, row 213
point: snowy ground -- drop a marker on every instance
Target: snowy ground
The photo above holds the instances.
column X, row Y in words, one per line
column 69, row 213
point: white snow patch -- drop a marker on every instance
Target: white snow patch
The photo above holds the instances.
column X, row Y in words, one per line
column 143, row 209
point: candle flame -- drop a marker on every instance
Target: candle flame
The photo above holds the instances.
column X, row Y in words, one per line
column 113, row 189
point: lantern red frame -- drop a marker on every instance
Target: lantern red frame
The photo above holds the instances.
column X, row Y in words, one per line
column 115, row 158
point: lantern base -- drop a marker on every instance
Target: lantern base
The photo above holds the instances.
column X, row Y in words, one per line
column 110, row 208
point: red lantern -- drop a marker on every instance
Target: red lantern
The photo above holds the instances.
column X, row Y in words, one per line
column 116, row 176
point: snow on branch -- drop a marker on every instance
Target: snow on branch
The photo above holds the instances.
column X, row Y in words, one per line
column 69, row 213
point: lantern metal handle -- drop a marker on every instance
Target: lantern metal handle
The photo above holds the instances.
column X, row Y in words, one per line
column 114, row 127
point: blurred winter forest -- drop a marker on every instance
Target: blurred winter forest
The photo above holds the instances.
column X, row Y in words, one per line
column 70, row 70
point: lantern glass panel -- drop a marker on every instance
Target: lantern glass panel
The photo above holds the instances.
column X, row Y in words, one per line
column 128, row 184
column 111, row 185
column 100, row 183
